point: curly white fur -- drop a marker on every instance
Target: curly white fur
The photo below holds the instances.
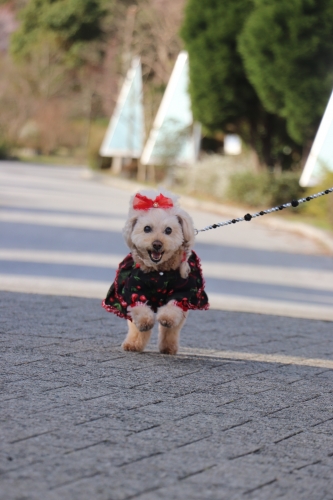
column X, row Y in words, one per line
column 158, row 218
column 173, row 229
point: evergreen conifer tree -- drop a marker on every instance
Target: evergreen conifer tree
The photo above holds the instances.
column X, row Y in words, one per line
column 261, row 69
column 287, row 49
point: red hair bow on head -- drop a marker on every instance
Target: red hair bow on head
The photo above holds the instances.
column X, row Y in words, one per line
column 141, row 202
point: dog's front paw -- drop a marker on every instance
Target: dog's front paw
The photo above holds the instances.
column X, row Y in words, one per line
column 170, row 316
column 145, row 326
column 143, row 317
column 166, row 322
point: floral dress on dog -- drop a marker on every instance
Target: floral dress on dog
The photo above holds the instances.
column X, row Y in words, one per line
column 134, row 287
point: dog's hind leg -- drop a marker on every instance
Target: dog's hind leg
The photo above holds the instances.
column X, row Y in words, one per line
column 135, row 340
column 171, row 319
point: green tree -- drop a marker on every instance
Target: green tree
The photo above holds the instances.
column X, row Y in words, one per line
column 71, row 25
column 287, row 51
column 224, row 98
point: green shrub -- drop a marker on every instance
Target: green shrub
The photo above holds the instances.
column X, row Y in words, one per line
column 264, row 189
column 4, row 149
column 209, row 177
column 321, row 208
column 285, row 188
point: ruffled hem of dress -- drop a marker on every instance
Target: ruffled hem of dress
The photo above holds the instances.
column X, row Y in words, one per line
column 188, row 307
column 114, row 310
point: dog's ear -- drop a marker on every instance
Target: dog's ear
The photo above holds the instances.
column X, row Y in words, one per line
column 127, row 230
column 187, row 227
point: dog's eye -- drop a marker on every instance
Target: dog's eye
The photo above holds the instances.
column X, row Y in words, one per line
column 168, row 230
column 147, row 229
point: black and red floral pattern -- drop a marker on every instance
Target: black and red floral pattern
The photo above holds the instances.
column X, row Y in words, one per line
column 133, row 287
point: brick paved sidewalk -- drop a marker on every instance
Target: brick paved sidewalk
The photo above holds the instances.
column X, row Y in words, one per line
column 80, row 419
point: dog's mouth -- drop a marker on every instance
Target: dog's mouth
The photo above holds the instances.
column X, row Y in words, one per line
column 155, row 256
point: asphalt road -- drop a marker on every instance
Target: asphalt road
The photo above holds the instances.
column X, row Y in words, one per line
column 61, row 232
column 244, row 411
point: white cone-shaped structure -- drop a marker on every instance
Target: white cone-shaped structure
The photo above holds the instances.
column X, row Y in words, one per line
column 321, row 154
column 173, row 136
column 125, row 134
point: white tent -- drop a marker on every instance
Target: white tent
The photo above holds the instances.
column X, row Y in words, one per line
column 174, row 136
column 125, row 134
column 321, row 154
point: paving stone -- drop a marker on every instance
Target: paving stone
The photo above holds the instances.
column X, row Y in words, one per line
column 81, row 419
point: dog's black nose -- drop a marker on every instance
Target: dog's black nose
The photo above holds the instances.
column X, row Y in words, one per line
column 157, row 245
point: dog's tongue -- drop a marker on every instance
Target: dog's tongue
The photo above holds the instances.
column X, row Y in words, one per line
column 156, row 255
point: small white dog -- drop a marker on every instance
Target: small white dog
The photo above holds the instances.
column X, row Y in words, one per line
column 161, row 274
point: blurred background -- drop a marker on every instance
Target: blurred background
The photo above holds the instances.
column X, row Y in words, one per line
column 259, row 71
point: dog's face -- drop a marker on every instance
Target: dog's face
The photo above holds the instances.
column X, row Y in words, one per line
column 156, row 235
column 159, row 236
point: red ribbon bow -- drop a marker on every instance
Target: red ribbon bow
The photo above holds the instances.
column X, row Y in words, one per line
column 141, row 202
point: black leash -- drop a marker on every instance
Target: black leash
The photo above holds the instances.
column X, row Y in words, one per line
column 248, row 217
